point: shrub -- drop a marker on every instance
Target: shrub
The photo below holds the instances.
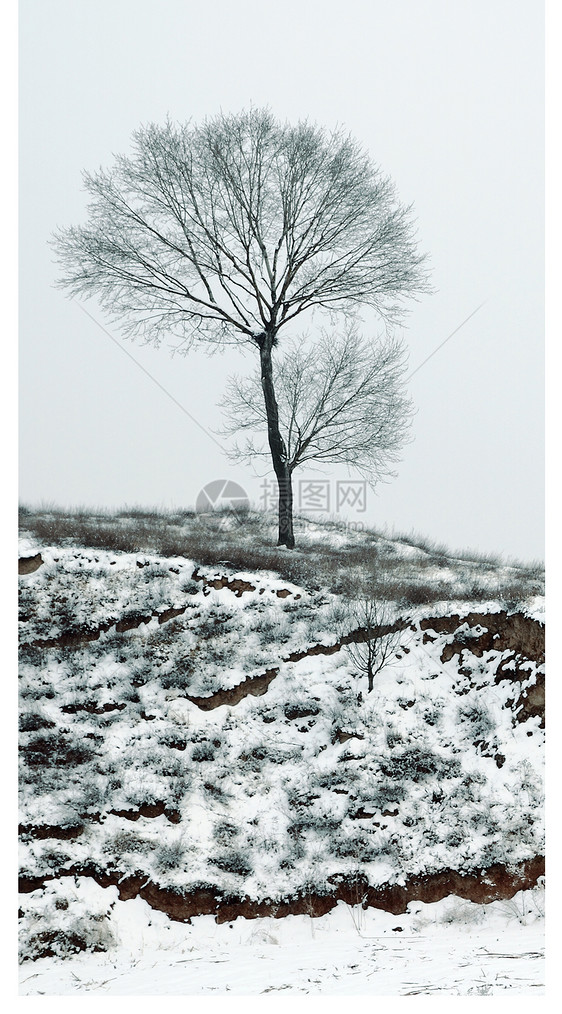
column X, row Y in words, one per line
column 169, row 856
column 215, row 623
column 59, row 922
column 85, row 934
column 455, row 837
column 272, row 628
column 476, row 591
column 225, row 831
column 125, row 843
column 216, row 792
column 479, row 718
column 180, row 676
column 416, row 763
column 56, row 749
column 422, row 593
column 385, row 795
column 321, row 823
column 31, row 721
column 54, row 860
column 174, row 741
column 203, row 752
column 358, row 847
column 232, row 861
column 431, row 714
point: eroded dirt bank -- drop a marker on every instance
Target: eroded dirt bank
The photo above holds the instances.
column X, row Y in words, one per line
column 517, row 637
column 522, row 637
column 502, row 631
column 29, row 564
column 496, row 883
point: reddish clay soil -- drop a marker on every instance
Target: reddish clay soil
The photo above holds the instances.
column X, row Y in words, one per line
column 504, row 631
column 254, row 686
column 497, row 883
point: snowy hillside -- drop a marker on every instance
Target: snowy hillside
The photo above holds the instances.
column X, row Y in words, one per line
column 197, row 737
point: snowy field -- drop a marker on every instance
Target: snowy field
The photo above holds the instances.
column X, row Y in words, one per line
column 449, row 947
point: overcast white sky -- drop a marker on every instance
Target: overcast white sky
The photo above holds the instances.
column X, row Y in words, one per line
column 446, row 95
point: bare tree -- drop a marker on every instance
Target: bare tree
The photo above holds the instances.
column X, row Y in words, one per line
column 229, row 231
column 378, row 636
column 341, row 400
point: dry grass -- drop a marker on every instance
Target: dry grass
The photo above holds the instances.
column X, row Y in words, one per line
column 246, row 543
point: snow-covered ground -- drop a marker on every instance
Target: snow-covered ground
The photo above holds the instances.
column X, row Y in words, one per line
column 449, row 947
column 204, row 731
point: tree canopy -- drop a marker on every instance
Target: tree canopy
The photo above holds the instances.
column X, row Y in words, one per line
column 341, row 399
column 241, row 224
column 231, row 230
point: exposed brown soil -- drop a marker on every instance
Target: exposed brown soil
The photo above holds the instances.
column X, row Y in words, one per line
column 92, row 708
column 170, row 614
column 527, row 636
column 533, row 702
column 316, row 649
column 131, row 622
column 258, row 685
column 342, row 737
column 71, row 831
column 362, row 814
column 514, row 632
column 254, row 686
column 354, row 637
column 73, row 640
column 521, row 636
column 235, row 585
column 150, row 810
column 504, row 631
column 29, row 564
column 81, row 637
column 496, row 883
column 76, row 639
column 43, row 831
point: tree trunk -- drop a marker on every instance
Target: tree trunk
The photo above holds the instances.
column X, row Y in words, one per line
column 277, row 446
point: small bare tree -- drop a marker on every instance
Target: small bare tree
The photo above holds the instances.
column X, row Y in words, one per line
column 377, row 636
column 341, row 400
column 231, row 230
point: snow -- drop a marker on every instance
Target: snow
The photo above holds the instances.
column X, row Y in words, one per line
column 310, row 780
column 451, row 947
